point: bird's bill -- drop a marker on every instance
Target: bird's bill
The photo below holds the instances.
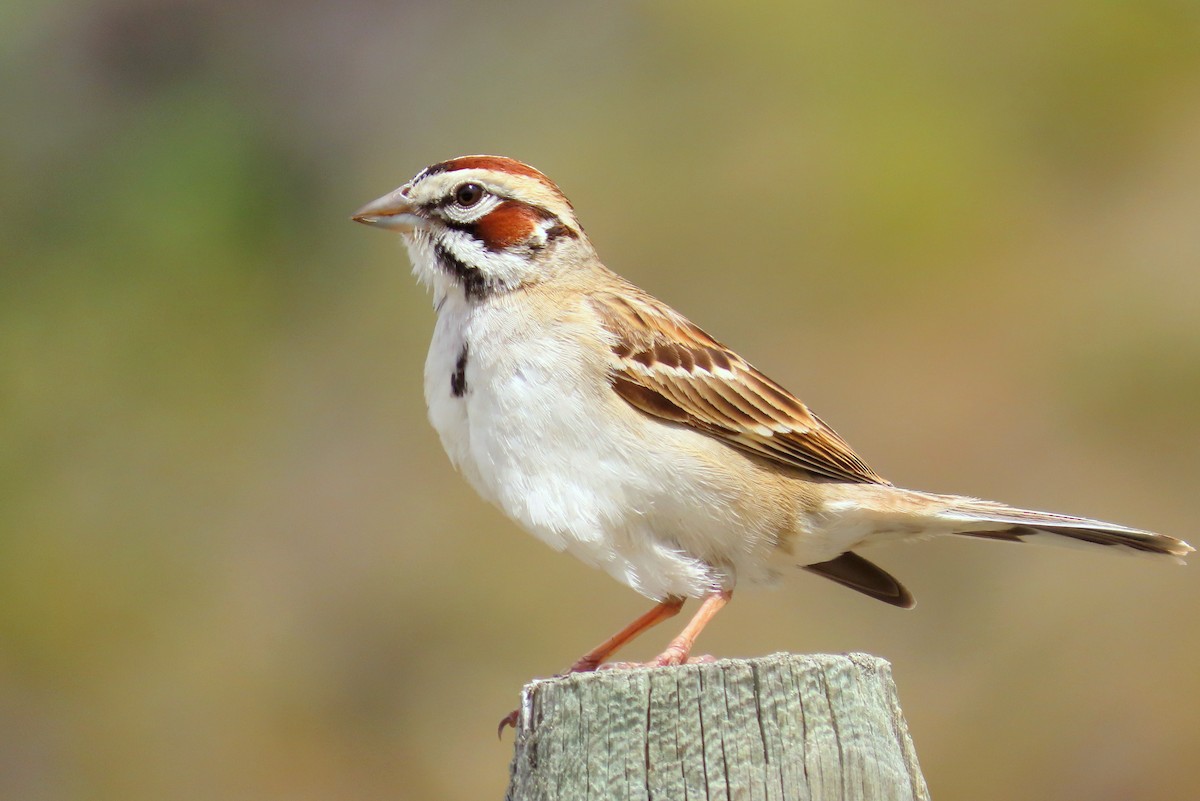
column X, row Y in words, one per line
column 392, row 211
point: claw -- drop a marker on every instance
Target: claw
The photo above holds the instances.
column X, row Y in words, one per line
column 669, row 658
column 508, row 720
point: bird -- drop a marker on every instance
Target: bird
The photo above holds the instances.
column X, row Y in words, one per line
column 613, row 428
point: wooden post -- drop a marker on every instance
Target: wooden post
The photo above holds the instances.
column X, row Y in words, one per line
column 779, row 728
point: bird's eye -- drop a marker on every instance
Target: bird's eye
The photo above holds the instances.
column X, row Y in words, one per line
column 467, row 195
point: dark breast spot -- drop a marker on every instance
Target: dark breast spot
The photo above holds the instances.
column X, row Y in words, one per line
column 458, row 379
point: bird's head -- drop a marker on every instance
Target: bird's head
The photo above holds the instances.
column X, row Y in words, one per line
column 482, row 224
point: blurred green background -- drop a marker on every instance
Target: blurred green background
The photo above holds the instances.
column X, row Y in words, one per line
column 234, row 562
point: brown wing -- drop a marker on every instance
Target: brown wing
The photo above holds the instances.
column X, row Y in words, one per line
column 667, row 367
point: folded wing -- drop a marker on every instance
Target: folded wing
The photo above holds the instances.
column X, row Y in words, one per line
column 671, row 369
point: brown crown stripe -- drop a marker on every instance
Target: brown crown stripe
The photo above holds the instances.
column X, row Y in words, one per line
column 495, row 163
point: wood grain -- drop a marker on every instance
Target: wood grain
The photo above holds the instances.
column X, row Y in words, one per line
column 779, row 728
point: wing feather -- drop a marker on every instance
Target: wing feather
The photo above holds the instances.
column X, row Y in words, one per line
column 668, row 368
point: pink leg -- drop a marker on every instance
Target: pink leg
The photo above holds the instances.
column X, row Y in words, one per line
column 680, row 648
column 593, row 658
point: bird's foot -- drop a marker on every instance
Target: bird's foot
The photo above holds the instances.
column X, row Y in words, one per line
column 622, row 665
column 508, row 720
column 659, row 662
column 666, row 659
column 585, row 664
column 672, row 657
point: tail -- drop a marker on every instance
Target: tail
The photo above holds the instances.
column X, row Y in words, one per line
column 995, row 521
column 885, row 513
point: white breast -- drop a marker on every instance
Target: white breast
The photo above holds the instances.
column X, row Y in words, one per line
column 448, row 413
column 523, row 429
column 538, row 431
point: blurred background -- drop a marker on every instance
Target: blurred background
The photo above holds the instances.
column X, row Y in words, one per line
column 234, row 561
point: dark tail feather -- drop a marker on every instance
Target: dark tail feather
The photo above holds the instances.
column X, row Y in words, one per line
column 996, row 521
column 851, row 570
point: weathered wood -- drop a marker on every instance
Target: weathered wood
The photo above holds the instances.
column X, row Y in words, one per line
column 779, row 728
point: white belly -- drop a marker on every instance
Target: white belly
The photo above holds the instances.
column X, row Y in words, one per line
column 525, row 430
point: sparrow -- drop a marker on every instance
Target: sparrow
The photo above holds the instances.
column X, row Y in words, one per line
column 611, row 427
